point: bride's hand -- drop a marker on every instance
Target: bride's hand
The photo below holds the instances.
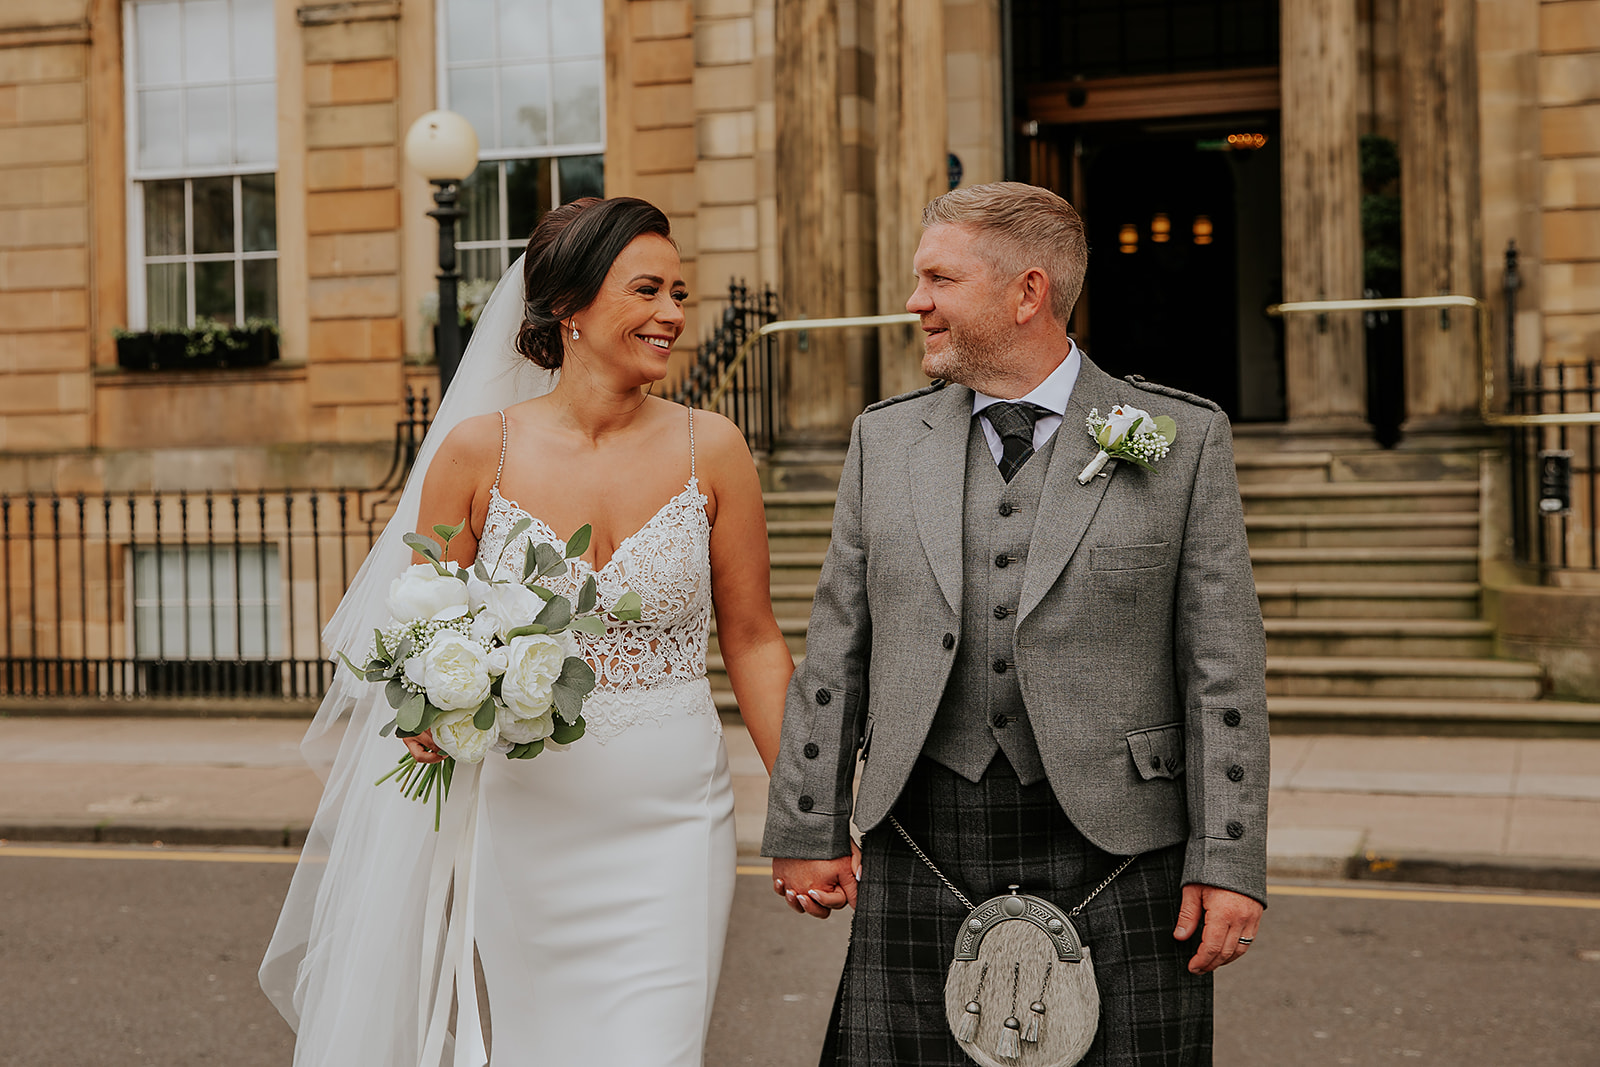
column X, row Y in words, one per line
column 423, row 748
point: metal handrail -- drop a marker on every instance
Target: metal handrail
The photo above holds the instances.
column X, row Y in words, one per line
column 795, row 326
column 1485, row 345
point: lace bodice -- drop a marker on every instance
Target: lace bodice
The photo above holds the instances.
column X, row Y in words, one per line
column 667, row 562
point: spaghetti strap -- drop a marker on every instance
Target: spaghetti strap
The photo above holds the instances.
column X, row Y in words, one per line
column 505, row 437
column 691, row 445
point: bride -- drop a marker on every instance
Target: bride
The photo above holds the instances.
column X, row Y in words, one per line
column 594, row 883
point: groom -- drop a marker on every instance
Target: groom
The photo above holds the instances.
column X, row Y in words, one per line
column 1040, row 675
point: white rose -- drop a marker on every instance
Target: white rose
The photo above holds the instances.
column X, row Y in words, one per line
column 453, row 670
column 457, row 736
column 521, row 731
column 422, row 593
column 512, row 604
column 1121, row 421
column 533, row 663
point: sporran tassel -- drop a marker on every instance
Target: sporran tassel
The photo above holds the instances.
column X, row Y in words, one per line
column 1033, row 1027
column 968, row 1030
column 1010, row 1046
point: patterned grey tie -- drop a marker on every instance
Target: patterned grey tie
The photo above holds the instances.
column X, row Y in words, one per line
column 1013, row 421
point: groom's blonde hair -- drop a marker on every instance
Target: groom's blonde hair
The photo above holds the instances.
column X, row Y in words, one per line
column 1022, row 227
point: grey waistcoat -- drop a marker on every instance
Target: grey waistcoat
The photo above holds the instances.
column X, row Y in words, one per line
column 982, row 708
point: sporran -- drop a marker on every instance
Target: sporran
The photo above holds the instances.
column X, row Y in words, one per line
column 1021, row 990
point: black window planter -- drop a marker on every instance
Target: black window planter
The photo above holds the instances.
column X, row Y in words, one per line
column 197, row 349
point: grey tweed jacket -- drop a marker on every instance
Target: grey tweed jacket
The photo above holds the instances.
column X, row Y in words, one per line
column 1139, row 644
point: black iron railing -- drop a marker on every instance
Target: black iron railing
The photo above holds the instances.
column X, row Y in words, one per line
column 750, row 396
column 1555, row 480
column 184, row 594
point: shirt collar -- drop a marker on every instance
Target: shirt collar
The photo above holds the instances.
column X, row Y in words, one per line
column 1051, row 394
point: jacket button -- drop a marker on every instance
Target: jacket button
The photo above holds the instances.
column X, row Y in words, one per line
column 805, row 803
column 823, row 696
column 1236, row 773
column 1231, row 717
column 1002, row 560
column 1000, row 722
column 1000, row 666
column 1006, row 509
column 1235, row 829
column 811, row 750
column 1001, row 612
column 948, row 640
column 1155, row 763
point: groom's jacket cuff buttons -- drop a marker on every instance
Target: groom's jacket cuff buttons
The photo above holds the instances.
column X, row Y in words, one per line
column 1231, row 717
column 805, row 803
column 1236, row 773
column 812, row 750
column 1235, row 828
column 823, row 696
column 948, row 640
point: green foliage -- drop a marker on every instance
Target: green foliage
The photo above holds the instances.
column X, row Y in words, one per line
column 1380, row 161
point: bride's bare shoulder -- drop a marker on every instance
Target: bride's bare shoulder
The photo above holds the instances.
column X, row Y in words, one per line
column 472, row 442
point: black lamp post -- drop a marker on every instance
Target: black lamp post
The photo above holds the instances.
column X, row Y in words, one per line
column 443, row 147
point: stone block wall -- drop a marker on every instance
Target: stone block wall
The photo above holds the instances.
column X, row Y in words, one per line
column 1569, row 153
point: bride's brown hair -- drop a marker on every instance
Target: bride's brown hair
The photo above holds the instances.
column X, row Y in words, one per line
column 569, row 254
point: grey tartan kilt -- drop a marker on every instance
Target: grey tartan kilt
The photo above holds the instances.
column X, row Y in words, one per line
column 986, row 837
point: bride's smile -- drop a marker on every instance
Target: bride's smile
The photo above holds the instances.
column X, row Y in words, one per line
column 636, row 317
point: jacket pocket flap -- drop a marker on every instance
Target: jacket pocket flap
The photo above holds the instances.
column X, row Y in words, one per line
column 1128, row 557
column 1157, row 751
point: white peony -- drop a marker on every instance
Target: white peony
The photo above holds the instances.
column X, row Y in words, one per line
column 521, row 731
column 422, row 593
column 453, row 670
column 533, row 663
column 457, row 736
column 509, row 604
column 1121, row 421
column 484, row 626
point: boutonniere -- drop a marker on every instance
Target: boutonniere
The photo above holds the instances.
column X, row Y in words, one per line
column 1130, row 434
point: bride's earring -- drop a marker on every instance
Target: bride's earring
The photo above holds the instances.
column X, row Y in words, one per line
column 574, row 331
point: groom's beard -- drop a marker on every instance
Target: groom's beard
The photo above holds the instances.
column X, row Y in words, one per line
column 980, row 352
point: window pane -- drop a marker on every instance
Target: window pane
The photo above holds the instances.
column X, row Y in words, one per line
column 255, row 125
column 253, row 38
column 160, row 128
column 480, row 200
column 582, row 176
column 577, row 30
column 472, row 97
column 524, row 106
column 261, row 289
column 523, row 29
column 577, row 103
column 207, row 138
column 469, row 24
column 155, row 28
column 163, row 218
column 166, row 301
column 481, row 264
column 213, row 215
column 260, row 212
column 527, row 196
column 213, row 291
column 205, row 40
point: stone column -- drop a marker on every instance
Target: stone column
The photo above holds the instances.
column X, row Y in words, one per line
column 1440, row 219
column 352, row 217
column 911, row 169
column 1325, row 355
column 817, row 398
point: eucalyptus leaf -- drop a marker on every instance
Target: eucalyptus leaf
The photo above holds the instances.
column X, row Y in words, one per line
column 481, row 571
column 362, row 671
column 423, row 546
column 524, row 631
column 382, row 672
column 483, row 718
column 588, row 595
column 593, row 625
column 578, row 543
column 518, row 528
column 566, row 733
column 396, row 693
column 379, row 649
column 410, row 714
column 526, row 751
column 576, row 675
column 1166, row 428
column 530, row 561
column 450, row 533
column 407, row 646
column 629, row 607
column 430, row 716
column 556, row 614
column 549, row 560
column 388, row 728
column 540, row 591
column 569, row 704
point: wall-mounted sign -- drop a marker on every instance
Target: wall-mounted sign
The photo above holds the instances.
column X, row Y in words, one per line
column 1555, row 482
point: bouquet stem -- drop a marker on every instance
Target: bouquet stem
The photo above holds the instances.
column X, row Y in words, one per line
column 423, row 781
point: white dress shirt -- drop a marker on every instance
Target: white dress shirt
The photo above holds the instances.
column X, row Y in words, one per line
column 1051, row 394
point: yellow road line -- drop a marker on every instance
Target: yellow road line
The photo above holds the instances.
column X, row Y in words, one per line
column 1424, row 896
column 181, row 855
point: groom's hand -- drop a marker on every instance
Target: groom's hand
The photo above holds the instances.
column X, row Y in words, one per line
column 818, row 887
column 1231, row 920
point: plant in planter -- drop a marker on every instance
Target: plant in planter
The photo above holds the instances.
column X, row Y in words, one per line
column 207, row 345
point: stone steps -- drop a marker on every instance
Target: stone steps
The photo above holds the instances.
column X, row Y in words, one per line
column 1425, row 638
column 1371, row 530
column 1359, row 497
column 1367, row 564
column 1409, row 715
column 1354, row 600
column 1422, row 678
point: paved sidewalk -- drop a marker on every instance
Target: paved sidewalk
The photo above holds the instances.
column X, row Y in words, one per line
column 1480, row 811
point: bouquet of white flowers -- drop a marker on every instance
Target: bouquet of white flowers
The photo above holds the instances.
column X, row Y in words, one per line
column 487, row 663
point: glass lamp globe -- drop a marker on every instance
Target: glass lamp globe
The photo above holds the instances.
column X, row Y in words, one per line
column 442, row 146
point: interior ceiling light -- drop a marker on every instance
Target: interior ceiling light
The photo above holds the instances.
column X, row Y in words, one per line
column 1247, row 140
column 1128, row 237
column 1161, row 228
column 1203, row 229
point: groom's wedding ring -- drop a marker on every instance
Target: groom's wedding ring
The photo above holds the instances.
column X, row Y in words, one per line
column 1247, row 941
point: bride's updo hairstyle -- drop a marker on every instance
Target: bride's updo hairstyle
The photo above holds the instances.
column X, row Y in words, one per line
column 568, row 257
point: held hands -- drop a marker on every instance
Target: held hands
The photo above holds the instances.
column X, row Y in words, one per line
column 1231, row 920
column 423, row 748
column 818, row 887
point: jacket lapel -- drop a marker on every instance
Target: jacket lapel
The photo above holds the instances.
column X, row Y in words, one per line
column 938, row 484
column 1065, row 507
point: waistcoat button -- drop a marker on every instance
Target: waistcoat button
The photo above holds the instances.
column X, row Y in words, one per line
column 1006, row 509
column 1236, row 773
column 1001, row 612
column 1000, row 666
column 805, row 803
column 823, row 696
column 811, row 750
column 1000, row 722
column 1002, row 560
column 948, row 640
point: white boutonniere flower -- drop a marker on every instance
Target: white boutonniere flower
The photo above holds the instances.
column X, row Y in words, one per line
column 1128, row 433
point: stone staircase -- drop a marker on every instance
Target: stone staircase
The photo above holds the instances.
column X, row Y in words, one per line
column 1367, row 569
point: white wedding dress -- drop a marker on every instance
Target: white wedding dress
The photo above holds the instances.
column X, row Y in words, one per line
column 605, row 871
